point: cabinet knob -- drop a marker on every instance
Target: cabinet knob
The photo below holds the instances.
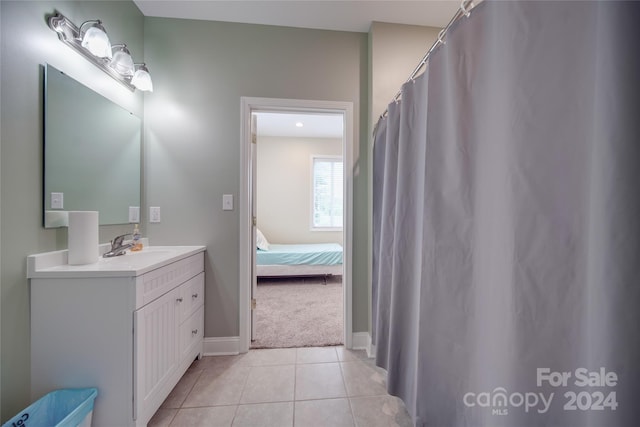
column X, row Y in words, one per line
column 194, row 295
column 194, row 332
column 179, row 299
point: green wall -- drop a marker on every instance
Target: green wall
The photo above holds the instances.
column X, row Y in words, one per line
column 192, row 156
column 192, row 152
column 27, row 43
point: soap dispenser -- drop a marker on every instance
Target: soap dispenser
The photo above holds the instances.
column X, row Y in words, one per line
column 137, row 244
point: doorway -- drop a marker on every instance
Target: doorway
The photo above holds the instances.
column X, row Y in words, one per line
column 299, row 227
column 251, row 106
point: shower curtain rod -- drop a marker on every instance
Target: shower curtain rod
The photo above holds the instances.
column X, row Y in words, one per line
column 465, row 10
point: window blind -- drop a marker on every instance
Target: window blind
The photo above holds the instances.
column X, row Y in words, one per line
column 327, row 193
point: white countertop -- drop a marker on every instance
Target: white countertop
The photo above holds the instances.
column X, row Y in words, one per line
column 53, row 265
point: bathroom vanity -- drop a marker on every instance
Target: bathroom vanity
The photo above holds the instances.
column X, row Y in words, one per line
column 129, row 325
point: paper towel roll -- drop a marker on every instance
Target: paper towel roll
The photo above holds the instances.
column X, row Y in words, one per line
column 83, row 237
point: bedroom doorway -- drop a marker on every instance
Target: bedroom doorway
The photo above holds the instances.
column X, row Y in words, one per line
column 298, row 196
column 312, row 223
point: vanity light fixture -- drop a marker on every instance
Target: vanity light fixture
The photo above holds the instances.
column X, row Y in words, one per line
column 92, row 42
column 142, row 79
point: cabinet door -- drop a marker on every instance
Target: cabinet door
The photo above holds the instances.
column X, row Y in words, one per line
column 156, row 350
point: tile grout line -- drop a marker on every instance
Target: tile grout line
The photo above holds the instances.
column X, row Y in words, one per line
column 244, row 386
column 174, row 417
column 224, row 405
column 185, row 398
column 344, row 382
column 190, row 390
column 295, row 380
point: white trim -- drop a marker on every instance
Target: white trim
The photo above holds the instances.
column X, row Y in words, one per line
column 247, row 106
column 221, row 346
column 362, row 341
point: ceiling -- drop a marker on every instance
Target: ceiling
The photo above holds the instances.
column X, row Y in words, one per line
column 340, row 15
column 288, row 125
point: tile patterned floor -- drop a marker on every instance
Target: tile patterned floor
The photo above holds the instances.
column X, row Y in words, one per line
column 301, row 387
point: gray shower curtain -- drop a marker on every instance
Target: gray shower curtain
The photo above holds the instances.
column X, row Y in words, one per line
column 506, row 221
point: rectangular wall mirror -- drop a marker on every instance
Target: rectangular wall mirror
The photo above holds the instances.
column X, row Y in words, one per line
column 91, row 153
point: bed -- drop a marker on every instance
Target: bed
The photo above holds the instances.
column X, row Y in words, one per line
column 278, row 260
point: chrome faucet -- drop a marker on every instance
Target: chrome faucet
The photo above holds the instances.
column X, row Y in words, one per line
column 118, row 247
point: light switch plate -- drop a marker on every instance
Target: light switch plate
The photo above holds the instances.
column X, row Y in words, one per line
column 154, row 214
column 134, row 214
column 227, row 202
column 57, row 200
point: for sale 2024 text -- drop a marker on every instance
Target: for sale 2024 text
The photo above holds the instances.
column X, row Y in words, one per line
column 599, row 396
column 598, row 400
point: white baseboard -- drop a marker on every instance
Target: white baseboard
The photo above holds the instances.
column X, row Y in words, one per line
column 371, row 351
column 362, row 341
column 221, row 346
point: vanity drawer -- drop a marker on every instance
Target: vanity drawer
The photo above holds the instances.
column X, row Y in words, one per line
column 192, row 332
column 192, row 296
column 158, row 282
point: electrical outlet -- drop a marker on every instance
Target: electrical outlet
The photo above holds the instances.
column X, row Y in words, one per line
column 154, row 214
column 134, row 214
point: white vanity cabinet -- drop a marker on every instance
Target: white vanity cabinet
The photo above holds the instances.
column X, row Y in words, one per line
column 129, row 326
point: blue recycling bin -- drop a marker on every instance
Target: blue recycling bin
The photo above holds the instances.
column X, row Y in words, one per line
column 61, row 408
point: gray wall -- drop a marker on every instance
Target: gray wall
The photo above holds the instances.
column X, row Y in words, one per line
column 192, row 136
column 201, row 70
column 27, row 43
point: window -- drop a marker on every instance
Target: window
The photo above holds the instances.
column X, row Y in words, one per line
column 326, row 210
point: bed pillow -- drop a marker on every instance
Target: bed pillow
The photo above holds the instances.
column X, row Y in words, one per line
column 261, row 241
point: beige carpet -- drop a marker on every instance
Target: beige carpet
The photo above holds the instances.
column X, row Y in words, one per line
column 296, row 312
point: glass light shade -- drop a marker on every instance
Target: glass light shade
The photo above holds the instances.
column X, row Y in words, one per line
column 96, row 41
column 122, row 61
column 142, row 80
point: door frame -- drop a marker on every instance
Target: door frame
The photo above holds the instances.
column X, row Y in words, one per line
column 249, row 105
